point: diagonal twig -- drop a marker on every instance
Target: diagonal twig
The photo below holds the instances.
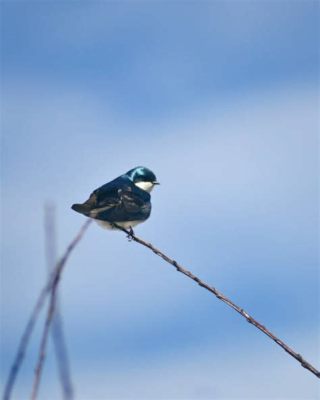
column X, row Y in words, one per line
column 44, row 339
column 57, row 332
column 23, row 344
column 51, row 310
column 131, row 235
column 35, row 313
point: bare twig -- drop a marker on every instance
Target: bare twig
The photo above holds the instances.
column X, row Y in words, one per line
column 51, row 310
column 223, row 298
column 44, row 339
column 23, row 344
column 35, row 313
column 57, row 332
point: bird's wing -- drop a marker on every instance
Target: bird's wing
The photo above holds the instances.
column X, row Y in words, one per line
column 130, row 205
column 109, row 194
column 116, row 201
column 105, row 196
column 134, row 200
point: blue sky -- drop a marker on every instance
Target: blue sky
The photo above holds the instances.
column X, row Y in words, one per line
column 220, row 100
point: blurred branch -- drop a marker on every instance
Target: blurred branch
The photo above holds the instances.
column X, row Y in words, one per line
column 23, row 344
column 51, row 309
column 44, row 339
column 58, row 338
column 53, row 281
column 223, row 298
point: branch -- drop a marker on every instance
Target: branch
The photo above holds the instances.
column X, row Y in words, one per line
column 223, row 298
column 35, row 313
column 57, row 331
column 23, row 344
column 44, row 339
column 51, row 310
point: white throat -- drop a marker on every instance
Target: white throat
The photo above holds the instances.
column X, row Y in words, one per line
column 147, row 186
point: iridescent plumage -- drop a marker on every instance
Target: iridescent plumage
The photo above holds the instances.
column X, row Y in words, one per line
column 125, row 201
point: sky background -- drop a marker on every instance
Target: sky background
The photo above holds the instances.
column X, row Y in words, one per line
column 221, row 100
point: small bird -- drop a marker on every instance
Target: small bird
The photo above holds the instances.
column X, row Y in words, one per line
column 125, row 201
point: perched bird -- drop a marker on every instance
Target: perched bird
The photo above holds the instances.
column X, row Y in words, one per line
column 125, row 201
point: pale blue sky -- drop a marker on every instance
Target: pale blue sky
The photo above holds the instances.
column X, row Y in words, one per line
column 221, row 101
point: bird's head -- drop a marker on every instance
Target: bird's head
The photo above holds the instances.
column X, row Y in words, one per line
column 143, row 178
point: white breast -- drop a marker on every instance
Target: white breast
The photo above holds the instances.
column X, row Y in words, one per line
column 125, row 225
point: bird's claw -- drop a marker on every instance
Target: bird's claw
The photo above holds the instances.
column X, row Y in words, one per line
column 130, row 234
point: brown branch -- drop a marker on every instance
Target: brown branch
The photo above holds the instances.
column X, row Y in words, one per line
column 223, row 298
column 35, row 313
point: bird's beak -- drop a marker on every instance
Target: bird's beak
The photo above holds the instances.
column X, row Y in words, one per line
column 156, row 183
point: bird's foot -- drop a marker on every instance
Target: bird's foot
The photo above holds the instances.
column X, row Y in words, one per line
column 130, row 234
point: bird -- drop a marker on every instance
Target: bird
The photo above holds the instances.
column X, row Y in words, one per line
column 123, row 202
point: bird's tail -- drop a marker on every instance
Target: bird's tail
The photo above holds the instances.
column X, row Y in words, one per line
column 81, row 208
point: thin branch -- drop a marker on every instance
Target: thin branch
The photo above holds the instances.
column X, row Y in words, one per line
column 44, row 339
column 62, row 355
column 223, row 298
column 35, row 313
column 23, row 344
column 51, row 310
column 59, row 343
